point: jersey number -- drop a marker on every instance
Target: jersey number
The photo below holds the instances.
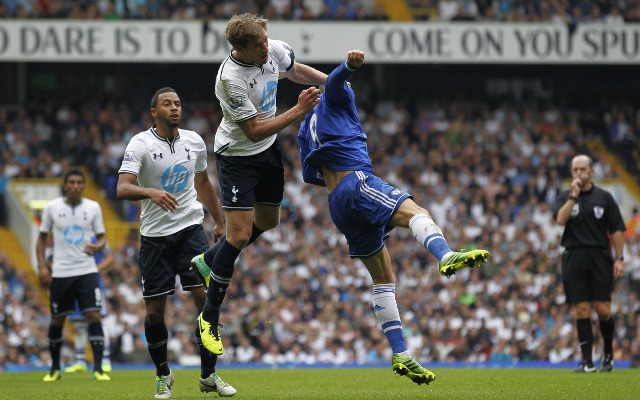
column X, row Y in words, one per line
column 313, row 126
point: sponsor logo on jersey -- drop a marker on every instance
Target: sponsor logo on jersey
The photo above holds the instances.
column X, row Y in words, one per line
column 175, row 178
column 395, row 192
column 73, row 234
column 128, row 156
column 269, row 92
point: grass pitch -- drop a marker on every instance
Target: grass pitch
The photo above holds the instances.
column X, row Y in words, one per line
column 361, row 383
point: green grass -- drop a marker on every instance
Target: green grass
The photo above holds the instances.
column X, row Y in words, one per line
column 364, row 383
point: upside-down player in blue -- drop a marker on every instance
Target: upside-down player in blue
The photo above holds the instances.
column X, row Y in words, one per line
column 333, row 150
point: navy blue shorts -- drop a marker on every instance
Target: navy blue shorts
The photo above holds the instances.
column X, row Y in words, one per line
column 245, row 181
column 65, row 291
column 587, row 274
column 78, row 316
column 164, row 257
column 361, row 206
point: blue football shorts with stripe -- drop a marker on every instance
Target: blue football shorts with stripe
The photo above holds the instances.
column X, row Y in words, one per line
column 361, row 205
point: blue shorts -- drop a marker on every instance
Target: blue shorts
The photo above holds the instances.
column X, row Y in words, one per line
column 361, row 206
column 78, row 316
column 164, row 257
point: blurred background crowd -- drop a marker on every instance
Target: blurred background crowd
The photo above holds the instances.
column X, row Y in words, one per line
column 489, row 169
column 555, row 11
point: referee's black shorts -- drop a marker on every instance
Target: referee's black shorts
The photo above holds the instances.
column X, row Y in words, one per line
column 247, row 180
column 587, row 274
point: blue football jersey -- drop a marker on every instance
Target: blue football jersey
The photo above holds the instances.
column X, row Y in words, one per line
column 331, row 135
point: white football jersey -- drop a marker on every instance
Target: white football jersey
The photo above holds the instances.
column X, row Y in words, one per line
column 73, row 228
column 246, row 91
column 171, row 166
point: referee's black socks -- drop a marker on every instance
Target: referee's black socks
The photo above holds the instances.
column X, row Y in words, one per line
column 585, row 336
column 607, row 329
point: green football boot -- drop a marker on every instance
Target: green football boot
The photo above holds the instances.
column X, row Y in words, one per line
column 407, row 366
column 201, row 270
column 458, row 260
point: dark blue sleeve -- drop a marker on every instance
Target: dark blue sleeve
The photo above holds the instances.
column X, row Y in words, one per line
column 310, row 174
column 336, row 89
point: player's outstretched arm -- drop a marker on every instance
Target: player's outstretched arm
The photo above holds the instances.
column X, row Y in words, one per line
column 336, row 91
column 128, row 190
column 257, row 130
column 306, row 75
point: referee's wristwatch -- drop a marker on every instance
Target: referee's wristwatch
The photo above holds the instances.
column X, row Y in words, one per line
column 572, row 198
column 621, row 258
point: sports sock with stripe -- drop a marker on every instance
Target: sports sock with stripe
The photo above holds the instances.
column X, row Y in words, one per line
column 55, row 343
column 221, row 273
column 157, row 338
column 80, row 341
column 210, row 254
column 96, row 338
column 429, row 236
column 386, row 309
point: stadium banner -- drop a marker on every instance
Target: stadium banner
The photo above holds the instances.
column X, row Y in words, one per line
column 322, row 42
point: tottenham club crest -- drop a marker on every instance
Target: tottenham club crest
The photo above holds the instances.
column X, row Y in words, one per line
column 234, row 191
column 598, row 211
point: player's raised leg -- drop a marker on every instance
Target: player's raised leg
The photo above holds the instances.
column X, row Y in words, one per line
column 429, row 235
column 386, row 310
column 241, row 231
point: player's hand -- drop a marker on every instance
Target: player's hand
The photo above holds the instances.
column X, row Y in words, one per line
column 576, row 184
column 44, row 275
column 218, row 232
column 91, row 249
column 355, row 58
column 164, row 199
column 308, row 99
column 618, row 269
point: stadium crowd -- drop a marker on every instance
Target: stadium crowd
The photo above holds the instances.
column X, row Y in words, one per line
column 488, row 171
column 559, row 11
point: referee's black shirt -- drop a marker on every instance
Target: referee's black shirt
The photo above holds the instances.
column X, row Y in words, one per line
column 593, row 214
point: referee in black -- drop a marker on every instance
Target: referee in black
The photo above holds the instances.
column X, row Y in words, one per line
column 588, row 268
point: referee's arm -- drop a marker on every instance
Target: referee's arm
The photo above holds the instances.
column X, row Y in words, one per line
column 565, row 211
column 618, row 244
